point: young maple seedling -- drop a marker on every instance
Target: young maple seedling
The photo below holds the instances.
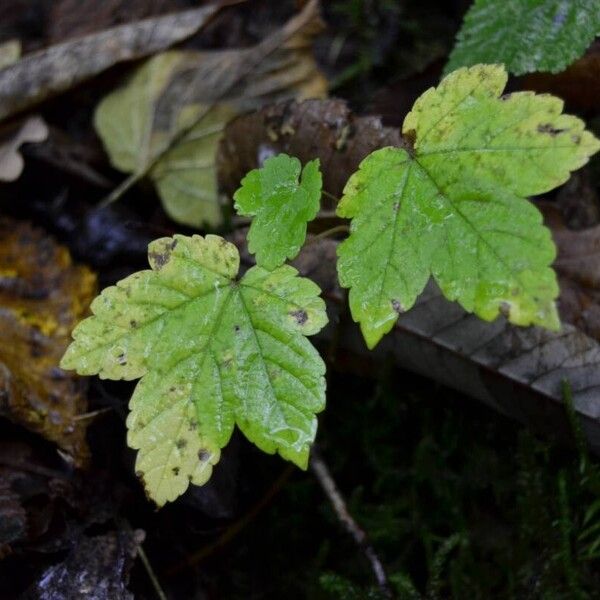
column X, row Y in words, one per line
column 213, row 351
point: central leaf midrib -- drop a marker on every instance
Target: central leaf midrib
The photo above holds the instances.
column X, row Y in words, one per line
column 398, row 196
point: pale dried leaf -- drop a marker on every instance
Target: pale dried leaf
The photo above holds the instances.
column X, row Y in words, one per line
column 10, row 52
column 34, row 129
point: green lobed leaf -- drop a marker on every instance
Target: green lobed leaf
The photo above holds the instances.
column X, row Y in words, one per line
column 455, row 207
column 526, row 35
column 212, row 352
column 282, row 203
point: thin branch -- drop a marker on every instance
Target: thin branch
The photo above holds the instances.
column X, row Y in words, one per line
column 93, row 414
column 151, row 574
column 328, row 233
column 330, row 196
column 144, row 558
column 323, row 475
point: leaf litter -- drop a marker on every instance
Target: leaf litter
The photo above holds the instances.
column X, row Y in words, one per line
column 166, row 121
column 42, row 296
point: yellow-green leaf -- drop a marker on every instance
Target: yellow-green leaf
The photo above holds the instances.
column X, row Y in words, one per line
column 454, row 207
column 212, row 352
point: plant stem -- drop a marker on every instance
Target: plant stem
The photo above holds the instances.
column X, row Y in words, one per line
column 151, row 574
column 330, row 196
column 144, row 558
column 121, row 189
column 328, row 233
column 323, row 475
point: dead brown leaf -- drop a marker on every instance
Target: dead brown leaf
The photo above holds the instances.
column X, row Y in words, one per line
column 33, row 129
column 578, row 268
column 75, row 18
column 48, row 72
column 30, row 491
column 42, row 296
column 324, row 129
column 578, row 85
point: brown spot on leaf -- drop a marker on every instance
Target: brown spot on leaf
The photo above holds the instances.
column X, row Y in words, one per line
column 547, row 128
column 504, row 309
column 300, row 315
column 160, row 259
column 410, row 137
column 397, row 306
column 181, row 443
column 175, row 471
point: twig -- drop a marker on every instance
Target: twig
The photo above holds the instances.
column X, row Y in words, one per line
column 235, row 528
column 323, row 475
column 328, row 233
column 144, row 558
column 93, row 414
column 151, row 574
column 330, row 196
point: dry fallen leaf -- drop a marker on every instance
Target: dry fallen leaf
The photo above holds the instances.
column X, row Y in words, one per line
column 74, row 18
column 42, row 296
column 34, row 129
column 10, row 52
column 167, row 120
column 324, row 129
column 32, row 496
column 578, row 268
column 578, row 84
column 58, row 68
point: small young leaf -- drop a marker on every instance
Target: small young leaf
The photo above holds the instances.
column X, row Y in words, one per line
column 212, row 352
column 526, row 35
column 282, row 206
column 455, row 209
